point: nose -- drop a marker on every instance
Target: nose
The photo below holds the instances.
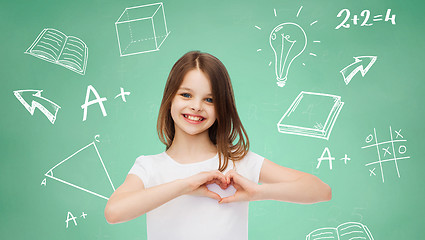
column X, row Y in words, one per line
column 196, row 109
column 196, row 106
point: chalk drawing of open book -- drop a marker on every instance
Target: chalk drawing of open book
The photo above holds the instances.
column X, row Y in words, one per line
column 53, row 46
column 312, row 115
column 84, row 170
column 345, row 231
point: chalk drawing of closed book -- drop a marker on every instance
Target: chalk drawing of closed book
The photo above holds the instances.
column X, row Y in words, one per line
column 53, row 46
column 345, row 231
column 312, row 115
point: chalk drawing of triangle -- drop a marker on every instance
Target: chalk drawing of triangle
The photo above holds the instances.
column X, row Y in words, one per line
column 88, row 174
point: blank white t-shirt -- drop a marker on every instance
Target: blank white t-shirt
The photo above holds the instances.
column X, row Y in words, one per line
column 192, row 217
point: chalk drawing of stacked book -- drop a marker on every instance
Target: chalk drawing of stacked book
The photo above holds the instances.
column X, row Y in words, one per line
column 53, row 46
column 312, row 115
column 345, row 231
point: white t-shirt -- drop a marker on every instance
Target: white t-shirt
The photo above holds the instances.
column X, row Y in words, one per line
column 192, row 217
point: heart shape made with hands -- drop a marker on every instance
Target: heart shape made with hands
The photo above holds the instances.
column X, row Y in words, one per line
column 229, row 191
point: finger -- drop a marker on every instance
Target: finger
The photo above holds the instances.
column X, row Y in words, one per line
column 230, row 175
column 220, row 176
column 228, row 199
column 222, row 181
column 210, row 182
column 219, row 182
column 209, row 177
column 212, row 195
column 224, row 185
column 236, row 178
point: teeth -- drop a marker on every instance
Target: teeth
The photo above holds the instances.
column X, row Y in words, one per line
column 193, row 118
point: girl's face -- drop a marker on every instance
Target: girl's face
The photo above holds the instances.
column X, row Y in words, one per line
column 192, row 109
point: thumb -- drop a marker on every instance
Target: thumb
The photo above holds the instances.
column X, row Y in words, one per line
column 212, row 195
column 228, row 199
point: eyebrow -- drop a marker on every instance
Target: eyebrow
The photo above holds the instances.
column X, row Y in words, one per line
column 188, row 89
column 185, row 88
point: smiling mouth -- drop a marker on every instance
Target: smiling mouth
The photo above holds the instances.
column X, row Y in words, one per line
column 193, row 118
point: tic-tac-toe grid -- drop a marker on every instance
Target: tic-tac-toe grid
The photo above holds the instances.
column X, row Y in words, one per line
column 388, row 151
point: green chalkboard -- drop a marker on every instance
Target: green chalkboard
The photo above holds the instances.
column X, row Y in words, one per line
column 346, row 104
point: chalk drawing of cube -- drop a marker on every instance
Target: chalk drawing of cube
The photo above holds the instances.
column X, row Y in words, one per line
column 141, row 29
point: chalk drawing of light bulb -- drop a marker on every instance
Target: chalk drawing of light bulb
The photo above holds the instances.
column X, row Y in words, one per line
column 288, row 41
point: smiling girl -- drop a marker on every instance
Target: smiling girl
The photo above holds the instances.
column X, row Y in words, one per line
column 200, row 187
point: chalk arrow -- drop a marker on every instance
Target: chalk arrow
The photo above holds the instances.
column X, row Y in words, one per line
column 37, row 101
column 358, row 65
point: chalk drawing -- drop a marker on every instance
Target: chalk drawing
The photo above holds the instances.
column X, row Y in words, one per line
column 123, row 94
column 141, row 29
column 345, row 159
column 299, row 11
column 359, row 212
column 388, row 151
column 326, row 156
column 92, row 145
column 345, row 231
column 54, row 46
column 47, row 107
column 288, row 41
column 357, row 66
column 364, row 18
column 98, row 100
column 323, row 158
column 70, row 217
column 311, row 115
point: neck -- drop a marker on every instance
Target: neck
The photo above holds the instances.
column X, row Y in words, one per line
column 191, row 148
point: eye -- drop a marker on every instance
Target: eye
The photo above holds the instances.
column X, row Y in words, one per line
column 210, row 100
column 186, row 95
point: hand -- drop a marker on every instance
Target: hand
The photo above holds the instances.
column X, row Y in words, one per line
column 246, row 190
column 198, row 184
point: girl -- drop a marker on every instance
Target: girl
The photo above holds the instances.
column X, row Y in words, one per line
column 199, row 188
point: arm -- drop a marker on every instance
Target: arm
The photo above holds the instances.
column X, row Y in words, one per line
column 132, row 199
column 289, row 185
column 279, row 183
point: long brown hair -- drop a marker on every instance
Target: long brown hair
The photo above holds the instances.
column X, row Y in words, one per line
column 227, row 133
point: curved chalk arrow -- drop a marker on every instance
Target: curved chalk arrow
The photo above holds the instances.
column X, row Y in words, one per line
column 351, row 70
column 37, row 101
